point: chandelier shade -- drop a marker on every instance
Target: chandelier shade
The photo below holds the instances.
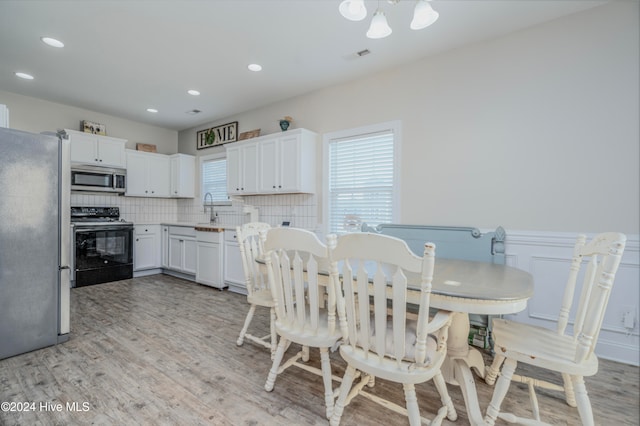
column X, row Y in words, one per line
column 423, row 15
column 353, row 10
column 379, row 27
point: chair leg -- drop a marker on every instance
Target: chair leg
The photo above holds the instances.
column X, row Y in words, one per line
column 413, row 412
column 492, row 372
column 345, row 388
column 569, row 394
column 438, row 380
column 500, row 391
column 582, row 399
column 247, row 321
column 277, row 359
column 326, row 378
column 274, row 336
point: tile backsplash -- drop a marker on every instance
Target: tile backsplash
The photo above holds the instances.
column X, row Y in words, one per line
column 299, row 209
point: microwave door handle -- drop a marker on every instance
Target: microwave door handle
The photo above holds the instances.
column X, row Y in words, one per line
column 113, row 181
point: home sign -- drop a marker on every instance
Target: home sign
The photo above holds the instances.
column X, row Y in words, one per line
column 218, row 135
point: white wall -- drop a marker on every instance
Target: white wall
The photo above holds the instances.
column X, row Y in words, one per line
column 36, row 115
column 537, row 130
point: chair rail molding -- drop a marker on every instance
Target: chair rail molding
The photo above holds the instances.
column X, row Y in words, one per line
column 546, row 255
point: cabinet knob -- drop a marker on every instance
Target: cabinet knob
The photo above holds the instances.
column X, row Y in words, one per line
column 146, row 192
column 101, row 160
column 137, row 239
column 96, row 159
column 274, row 186
column 279, row 186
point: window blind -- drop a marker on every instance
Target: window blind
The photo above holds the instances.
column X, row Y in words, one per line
column 361, row 181
column 214, row 179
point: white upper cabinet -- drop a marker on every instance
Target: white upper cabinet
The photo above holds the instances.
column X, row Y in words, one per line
column 273, row 164
column 242, row 168
column 148, row 174
column 183, row 174
column 97, row 150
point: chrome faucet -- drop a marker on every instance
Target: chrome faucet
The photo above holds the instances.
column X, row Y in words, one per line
column 212, row 218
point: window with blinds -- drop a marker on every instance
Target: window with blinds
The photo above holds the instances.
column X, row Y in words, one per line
column 361, row 180
column 213, row 175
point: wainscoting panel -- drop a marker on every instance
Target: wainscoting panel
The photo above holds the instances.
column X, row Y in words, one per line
column 547, row 256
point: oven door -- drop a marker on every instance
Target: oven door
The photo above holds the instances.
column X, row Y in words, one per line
column 102, row 254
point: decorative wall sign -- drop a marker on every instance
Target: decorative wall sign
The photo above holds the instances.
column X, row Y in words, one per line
column 218, row 135
column 95, row 128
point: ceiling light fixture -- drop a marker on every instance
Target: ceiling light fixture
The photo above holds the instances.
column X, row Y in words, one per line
column 52, row 42
column 24, row 75
column 255, row 67
column 193, row 92
column 152, row 110
column 354, row 10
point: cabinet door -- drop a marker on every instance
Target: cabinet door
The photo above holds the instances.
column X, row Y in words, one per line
column 158, row 176
column 165, row 247
column 233, row 272
column 250, row 169
column 209, row 264
column 183, row 176
column 234, row 171
column 136, row 174
column 175, row 252
column 190, row 259
column 84, row 148
column 144, row 252
column 111, row 152
column 270, row 166
column 291, row 160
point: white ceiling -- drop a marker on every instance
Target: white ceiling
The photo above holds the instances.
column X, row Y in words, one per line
column 122, row 57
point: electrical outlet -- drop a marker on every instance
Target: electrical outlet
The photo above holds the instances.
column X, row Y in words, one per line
column 629, row 317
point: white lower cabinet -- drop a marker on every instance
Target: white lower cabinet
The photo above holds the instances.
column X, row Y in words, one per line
column 233, row 272
column 146, row 247
column 181, row 250
column 210, row 258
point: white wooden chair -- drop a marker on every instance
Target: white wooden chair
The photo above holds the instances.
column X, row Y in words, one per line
column 393, row 347
column 258, row 292
column 571, row 354
column 305, row 303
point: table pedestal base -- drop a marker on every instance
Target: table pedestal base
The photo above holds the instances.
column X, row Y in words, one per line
column 456, row 368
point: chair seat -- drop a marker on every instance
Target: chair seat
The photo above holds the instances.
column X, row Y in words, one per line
column 541, row 347
column 308, row 336
column 261, row 297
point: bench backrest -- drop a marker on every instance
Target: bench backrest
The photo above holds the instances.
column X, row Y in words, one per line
column 452, row 242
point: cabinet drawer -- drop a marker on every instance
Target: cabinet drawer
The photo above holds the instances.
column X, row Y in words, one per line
column 146, row 229
column 231, row 236
column 185, row 231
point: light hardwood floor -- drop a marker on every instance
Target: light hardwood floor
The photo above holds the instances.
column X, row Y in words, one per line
column 161, row 351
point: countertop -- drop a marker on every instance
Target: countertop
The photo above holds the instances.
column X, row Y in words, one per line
column 207, row 227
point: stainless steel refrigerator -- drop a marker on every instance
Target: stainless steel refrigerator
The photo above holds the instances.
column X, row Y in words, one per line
column 34, row 241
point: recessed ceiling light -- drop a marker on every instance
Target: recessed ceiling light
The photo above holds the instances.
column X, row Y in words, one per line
column 24, row 75
column 193, row 92
column 52, row 42
column 255, row 67
column 152, row 110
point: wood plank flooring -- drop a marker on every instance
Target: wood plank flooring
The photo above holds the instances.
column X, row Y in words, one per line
column 159, row 350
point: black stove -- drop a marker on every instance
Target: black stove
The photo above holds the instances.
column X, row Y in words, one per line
column 103, row 246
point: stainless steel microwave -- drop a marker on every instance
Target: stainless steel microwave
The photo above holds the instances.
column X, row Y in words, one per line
column 100, row 179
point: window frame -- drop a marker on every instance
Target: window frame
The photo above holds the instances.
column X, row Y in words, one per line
column 396, row 128
column 212, row 157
